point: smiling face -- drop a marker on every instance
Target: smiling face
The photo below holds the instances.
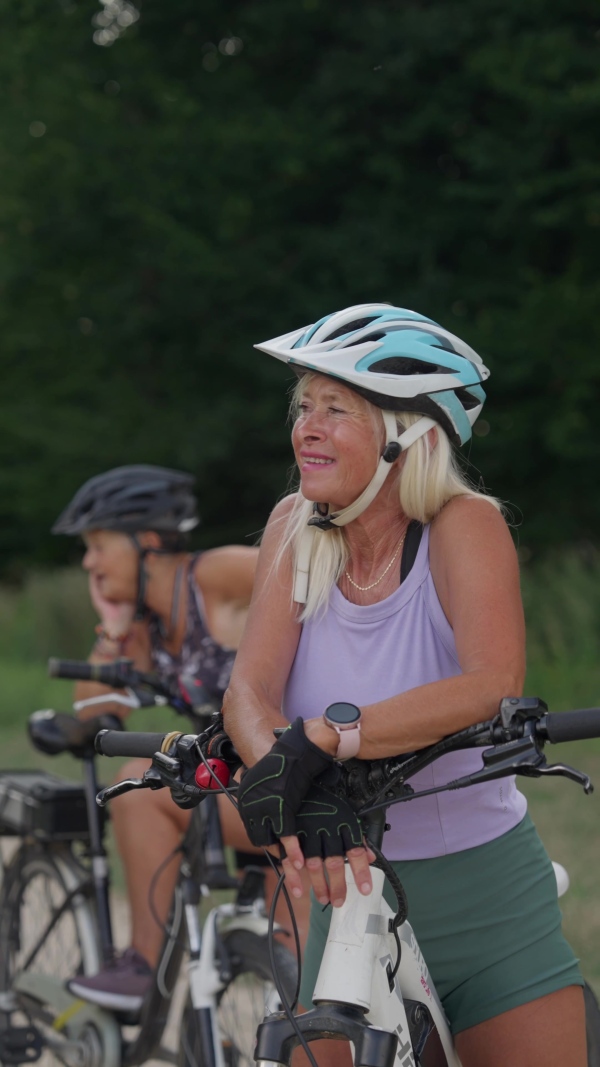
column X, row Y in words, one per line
column 113, row 560
column 337, row 440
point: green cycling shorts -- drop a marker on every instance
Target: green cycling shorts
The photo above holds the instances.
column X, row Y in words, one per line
column 488, row 923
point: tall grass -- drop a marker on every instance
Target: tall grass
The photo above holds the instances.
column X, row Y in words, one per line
column 49, row 615
column 561, row 595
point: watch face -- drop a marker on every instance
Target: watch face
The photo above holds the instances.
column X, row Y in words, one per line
column 342, row 714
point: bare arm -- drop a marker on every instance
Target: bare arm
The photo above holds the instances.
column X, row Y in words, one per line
column 252, row 704
column 228, row 573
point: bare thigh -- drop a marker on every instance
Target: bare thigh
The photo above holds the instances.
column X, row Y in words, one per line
column 547, row 1032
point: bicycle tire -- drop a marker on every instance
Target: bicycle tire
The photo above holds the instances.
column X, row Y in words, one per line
column 36, row 884
column 592, row 1026
column 247, row 998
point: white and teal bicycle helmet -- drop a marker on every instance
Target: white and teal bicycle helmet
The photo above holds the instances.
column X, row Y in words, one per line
column 398, row 360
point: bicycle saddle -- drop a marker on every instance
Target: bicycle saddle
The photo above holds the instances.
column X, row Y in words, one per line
column 54, row 732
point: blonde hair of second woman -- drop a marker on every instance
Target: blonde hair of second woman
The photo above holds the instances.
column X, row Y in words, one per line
column 429, row 479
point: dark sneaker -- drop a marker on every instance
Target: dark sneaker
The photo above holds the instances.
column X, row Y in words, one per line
column 120, row 985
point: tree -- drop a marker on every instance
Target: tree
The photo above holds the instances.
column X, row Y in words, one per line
column 224, row 173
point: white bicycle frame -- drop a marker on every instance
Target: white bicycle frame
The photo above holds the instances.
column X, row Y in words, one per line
column 359, row 956
column 205, row 982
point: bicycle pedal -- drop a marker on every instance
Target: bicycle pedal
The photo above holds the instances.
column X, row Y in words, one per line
column 20, row 1044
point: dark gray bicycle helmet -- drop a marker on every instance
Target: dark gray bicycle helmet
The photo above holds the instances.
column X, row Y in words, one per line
column 131, row 499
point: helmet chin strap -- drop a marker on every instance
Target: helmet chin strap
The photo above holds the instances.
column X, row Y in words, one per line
column 141, row 608
column 324, row 519
column 140, row 604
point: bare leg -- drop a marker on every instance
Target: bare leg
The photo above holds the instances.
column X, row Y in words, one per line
column 548, row 1032
column 327, row 1054
column 148, row 827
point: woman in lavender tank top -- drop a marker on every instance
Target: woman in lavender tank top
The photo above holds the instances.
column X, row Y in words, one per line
column 384, row 396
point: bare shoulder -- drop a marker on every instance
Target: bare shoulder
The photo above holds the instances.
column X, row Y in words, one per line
column 276, row 526
column 467, row 522
column 227, row 573
column 224, row 556
column 472, row 554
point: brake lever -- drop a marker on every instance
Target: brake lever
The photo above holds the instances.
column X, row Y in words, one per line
column 151, row 780
column 565, row 771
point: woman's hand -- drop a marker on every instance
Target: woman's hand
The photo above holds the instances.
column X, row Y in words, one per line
column 272, row 791
column 116, row 617
column 337, row 831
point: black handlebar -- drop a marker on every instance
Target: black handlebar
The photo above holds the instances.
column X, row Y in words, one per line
column 556, row 728
column 188, row 696
column 118, row 675
column 77, row 670
column 116, row 743
column 513, row 741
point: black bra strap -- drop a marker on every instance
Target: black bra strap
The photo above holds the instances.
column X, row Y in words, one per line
column 412, row 541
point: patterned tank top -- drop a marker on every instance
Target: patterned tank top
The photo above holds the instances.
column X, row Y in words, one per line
column 200, row 655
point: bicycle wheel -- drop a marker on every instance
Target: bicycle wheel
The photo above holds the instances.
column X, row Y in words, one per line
column 46, row 927
column 592, row 1026
column 249, row 996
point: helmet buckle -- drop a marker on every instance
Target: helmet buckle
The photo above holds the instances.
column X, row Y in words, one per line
column 391, row 452
column 320, row 517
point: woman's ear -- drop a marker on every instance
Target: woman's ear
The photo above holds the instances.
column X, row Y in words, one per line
column 149, row 539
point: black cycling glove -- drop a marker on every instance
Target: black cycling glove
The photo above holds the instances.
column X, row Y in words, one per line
column 272, row 791
column 326, row 825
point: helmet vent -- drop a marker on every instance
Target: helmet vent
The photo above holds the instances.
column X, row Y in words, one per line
column 350, row 327
column 377, row 336
column 406, row 366
column 467, row 399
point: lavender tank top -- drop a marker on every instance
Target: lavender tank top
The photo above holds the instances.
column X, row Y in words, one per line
column 364, row 654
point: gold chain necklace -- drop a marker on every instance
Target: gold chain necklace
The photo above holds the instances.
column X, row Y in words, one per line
column 365, row 588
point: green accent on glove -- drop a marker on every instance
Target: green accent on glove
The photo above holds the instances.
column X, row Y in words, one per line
column 272, row 791
column 326, row 825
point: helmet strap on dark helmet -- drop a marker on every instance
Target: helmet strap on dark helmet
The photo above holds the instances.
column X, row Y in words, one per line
column 141, row 608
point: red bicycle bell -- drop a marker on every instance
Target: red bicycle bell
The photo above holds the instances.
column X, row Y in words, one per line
column 205, row 780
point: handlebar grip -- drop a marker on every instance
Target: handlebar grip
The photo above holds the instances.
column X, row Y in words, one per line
column 572, row 725
column 116, row 743
column 71, row 668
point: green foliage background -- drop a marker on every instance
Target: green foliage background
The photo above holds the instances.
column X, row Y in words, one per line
column 183, row 202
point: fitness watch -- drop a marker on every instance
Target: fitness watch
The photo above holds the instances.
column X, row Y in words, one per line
column 345, row 720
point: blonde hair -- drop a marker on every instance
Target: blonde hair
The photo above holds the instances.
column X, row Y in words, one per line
column 429, row 478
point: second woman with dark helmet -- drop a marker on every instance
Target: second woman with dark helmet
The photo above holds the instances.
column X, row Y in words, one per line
column 174, row 613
